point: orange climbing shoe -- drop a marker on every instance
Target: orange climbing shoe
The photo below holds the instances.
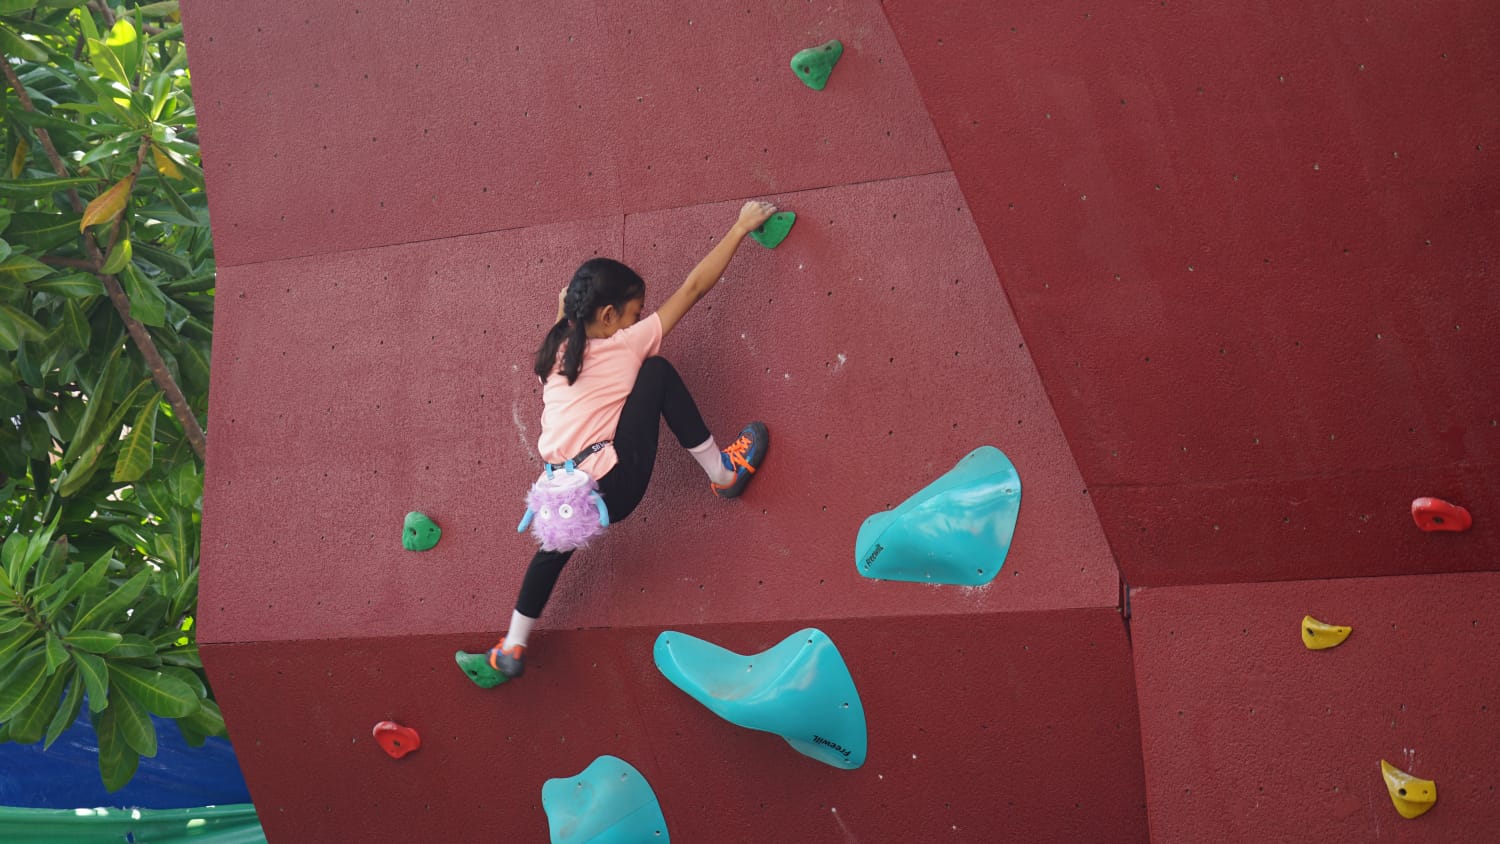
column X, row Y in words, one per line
column 508, row 661
column 743, row 457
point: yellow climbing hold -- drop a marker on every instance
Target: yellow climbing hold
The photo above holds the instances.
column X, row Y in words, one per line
column 1316, row 635
column 1412, row 795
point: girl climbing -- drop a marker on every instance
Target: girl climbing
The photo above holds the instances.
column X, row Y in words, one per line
column 603, row 391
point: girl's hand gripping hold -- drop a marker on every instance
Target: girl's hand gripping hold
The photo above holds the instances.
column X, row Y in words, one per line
column 753, row 214
column 704, row 276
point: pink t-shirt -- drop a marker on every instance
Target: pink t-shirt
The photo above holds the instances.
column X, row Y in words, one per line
column 577, row 415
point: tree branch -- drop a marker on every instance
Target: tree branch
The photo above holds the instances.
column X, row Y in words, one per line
column 77, row 263
column 143, row 342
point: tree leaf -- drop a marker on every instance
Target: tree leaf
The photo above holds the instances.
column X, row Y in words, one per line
column 113, row 147
column 30, row 723
column 93, row 641
column 23, row 268
column 105, row 612
column 208, row 720
column 134, row 724
column 164, row 163
column 14, row 45
column 146, row 302
column 57, row 655
column 125, row 43
column 135, row 457
column 108, row 205
column 25, row 682
column 40, row 187
column 76, row 285
column 68, row 712
column 99, row 404
column 79, row 474
column 106, row 62
column 160, row 694
column 117, row 761
column 118, row 257
column 16, row 326
column 187, row 215
column 42, row 231
column 12, row 554
column 189, row 679
column 187, row 657
column 133, row 646
column 14, row 642
column 36, row 546
column 173, row 263
column 86, row 22
column 75, row 327
column 95, row 676
column 18, row 158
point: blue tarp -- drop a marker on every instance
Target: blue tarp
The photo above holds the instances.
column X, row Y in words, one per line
column 66, row 776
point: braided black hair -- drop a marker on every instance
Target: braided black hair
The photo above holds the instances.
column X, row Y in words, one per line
column 597, row 283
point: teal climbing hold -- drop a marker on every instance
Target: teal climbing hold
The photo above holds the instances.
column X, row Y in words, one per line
column 800, row 690
column 814, row 64
column 419, row 533
column 608, row 803
column 774, row 230
column 956, row 530
column 477, row 668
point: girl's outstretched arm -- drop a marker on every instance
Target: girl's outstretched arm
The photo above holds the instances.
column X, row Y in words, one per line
column 704, row 276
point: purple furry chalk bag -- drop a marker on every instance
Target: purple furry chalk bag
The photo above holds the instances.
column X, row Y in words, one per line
column 563, row 508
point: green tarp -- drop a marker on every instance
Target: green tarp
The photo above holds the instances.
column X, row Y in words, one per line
column 207, row 825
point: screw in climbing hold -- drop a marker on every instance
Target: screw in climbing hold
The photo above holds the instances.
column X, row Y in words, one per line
column 1317, row 636
column 419, row 533
column 1413, row 796
column 775, row 229
column 1435, row 514
column 814, row 64
column 395, row 739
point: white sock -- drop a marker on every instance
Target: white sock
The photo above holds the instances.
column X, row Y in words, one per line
column 520, row 629
column 712, row 461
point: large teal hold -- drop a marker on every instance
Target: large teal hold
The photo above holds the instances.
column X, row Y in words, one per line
column 608, row 803
column 956, row 530
column 800, row 690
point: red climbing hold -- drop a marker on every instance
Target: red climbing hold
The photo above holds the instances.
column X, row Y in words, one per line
column 396, row 739
column 1437, row 514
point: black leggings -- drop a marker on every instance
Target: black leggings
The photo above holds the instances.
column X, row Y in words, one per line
column 658, row 393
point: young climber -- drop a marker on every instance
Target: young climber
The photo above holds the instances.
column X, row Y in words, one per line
column 603, row 392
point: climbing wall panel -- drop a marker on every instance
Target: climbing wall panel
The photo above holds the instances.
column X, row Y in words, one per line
column 1248, row 735
column 1043, row 697
column 366, row 122
column 1249, row 246
column 355, row 387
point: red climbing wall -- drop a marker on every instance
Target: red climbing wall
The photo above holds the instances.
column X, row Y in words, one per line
column 1250, row 245
column 386, row 271
column 1250, row 736
column 1219, row 271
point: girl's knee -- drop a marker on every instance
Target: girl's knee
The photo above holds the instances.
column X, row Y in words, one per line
column 657, row 365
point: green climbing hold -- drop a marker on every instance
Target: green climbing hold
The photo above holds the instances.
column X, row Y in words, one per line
column 477, row 667
column 420, row 533
column 774, row 230
column 814, row 64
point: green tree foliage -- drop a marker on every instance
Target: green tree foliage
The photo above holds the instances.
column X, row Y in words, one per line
column 106, row 307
